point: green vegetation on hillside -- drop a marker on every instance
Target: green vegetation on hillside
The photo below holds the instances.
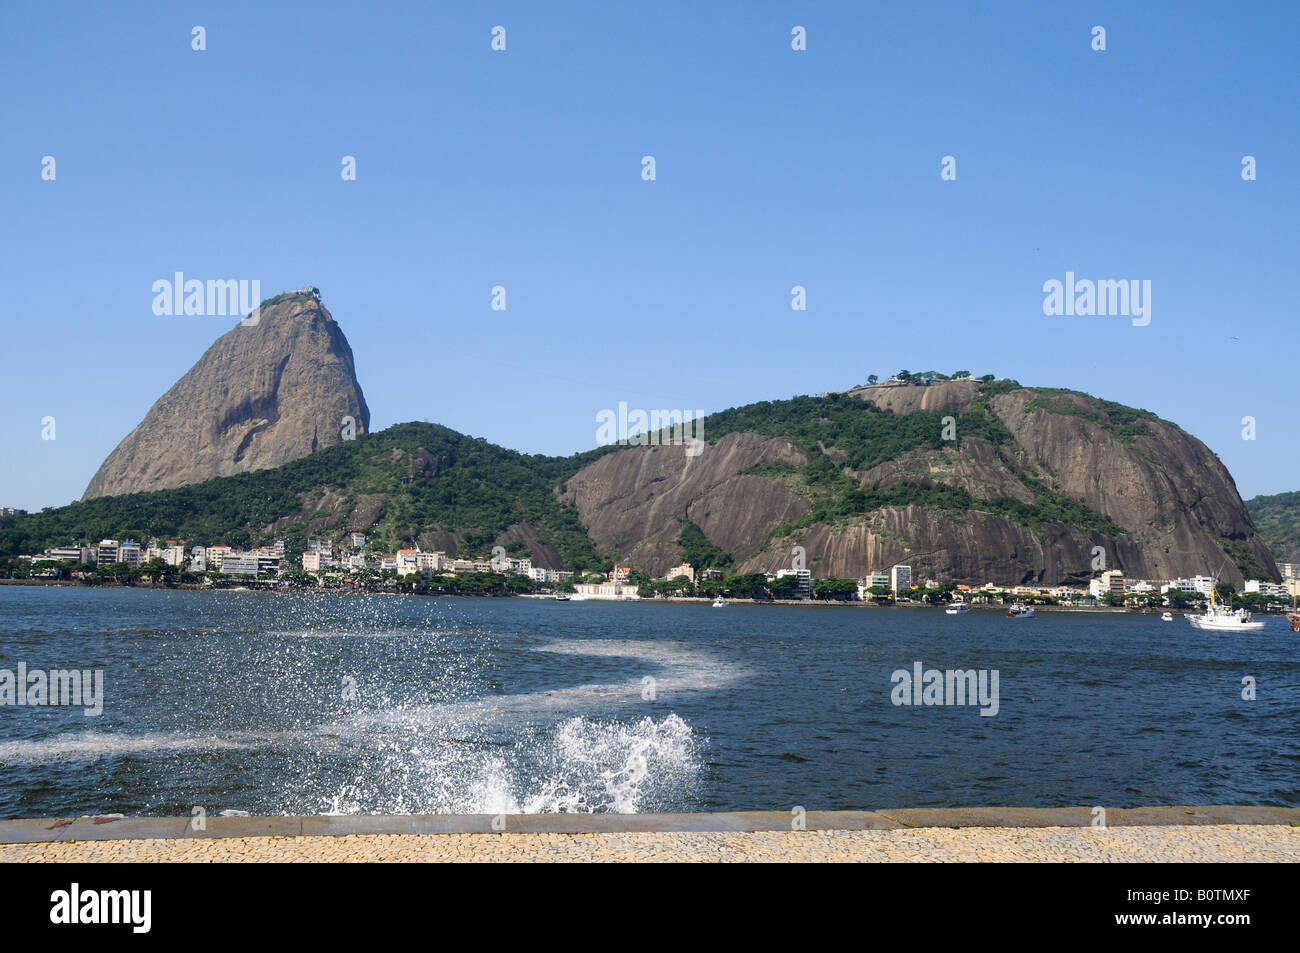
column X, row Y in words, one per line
column 1120, row 421
column 1277, row 517
column 428, row 476
column 1246, row 562
column 698, row 551
column 1049, row 508
column 867, row 435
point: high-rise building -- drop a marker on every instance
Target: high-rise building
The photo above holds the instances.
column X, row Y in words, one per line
column 900, row 577
column 805, row 580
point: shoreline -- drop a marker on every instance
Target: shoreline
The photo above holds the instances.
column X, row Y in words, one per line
column 680, row 600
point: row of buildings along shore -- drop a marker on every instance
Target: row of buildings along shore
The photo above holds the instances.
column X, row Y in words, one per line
column 324, row 559
column 899, row 582
column 267, row 562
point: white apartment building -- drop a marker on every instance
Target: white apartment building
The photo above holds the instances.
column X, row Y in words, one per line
column 900, row 577
column 217, row 555
column 1272, row 589
column 805, row 580
column 685, row 569
column 1201, row 584
column 607, row 590
column 409, row 561
column 239, row 564
column 71, row 554
column 522, row 566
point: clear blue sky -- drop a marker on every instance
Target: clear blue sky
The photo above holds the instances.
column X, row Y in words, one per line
column 775, row 168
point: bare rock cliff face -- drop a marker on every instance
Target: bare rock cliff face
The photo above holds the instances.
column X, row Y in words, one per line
column 632, row 502
column 260, row 396
column 1166, row 487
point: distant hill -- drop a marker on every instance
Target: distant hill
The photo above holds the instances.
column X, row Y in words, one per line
column 1277, row 518
column 969, row 480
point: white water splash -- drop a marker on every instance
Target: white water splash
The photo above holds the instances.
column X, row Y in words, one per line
column 585, row 766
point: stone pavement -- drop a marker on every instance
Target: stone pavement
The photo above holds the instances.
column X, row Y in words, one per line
column 1156, row 834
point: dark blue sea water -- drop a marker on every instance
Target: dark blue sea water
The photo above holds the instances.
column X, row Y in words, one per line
column 321, row 703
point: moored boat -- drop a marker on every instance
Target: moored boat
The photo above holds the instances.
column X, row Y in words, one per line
column 1019, row 610
column 1166, row 617
column 1219, row 618
column 719, row 603
column 957, row 608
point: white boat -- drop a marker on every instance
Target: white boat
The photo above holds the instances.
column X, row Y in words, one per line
column 1219, row 618
column 957, row 608
column 561, row 597
column 1166, row 617
column 719, row 603
column 1019, row 610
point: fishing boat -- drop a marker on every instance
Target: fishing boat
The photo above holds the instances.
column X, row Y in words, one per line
column 719, row 603
column 957, row 608
column 1219, row 618
column 1019, row 610
column 1166, row 617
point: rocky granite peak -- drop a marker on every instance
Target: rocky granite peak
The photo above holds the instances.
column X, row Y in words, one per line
column 262, row 395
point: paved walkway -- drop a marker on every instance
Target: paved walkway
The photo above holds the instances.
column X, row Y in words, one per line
column 1209, row 843
column 1164, row 833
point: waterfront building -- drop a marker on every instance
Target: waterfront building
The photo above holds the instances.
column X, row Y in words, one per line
column 900, row 577
column 607, row 590
column 71, row 554
column 805, row 580
column 1260, row 587
column 685, row 569
column 239, row 564
column 537, row 574
column 217, row 555
column 268, row 560
column 433, row 562
column 129, row 552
